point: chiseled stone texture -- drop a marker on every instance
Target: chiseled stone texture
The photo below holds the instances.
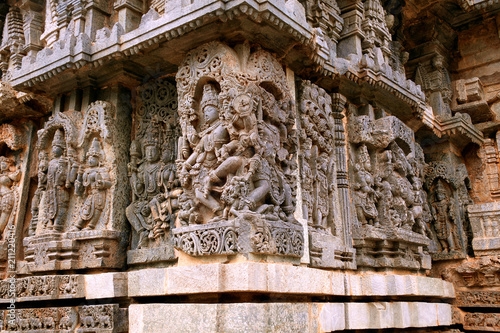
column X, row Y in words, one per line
column 285, row 317
column 381, row 315
column 279, row 278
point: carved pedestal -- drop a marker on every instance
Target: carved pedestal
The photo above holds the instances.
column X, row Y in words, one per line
column 249, row 233
column 391, row 248
column 327, row 251
column 103, row 249
column 485, row 223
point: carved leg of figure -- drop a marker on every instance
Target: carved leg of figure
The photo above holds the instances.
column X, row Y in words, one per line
column 444, row 245
column 262, row 188
column 60, row 219
column 451, row 242
column 228, row 167
column 35, row 203
column 137, row 225
column 361, row 215
column 77, row 226
column 288, row 204
column 208, row 201
column 93, row 221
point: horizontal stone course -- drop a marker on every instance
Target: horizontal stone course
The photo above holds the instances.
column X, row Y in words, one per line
column 278, row 278
column 285, row 317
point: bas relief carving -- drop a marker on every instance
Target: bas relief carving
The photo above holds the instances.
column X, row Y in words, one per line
column 13, row 153
column 78, row 193
column 448, row 185
column 321, row 146
column 389, row 201
column 156, row 191
column 235, row 153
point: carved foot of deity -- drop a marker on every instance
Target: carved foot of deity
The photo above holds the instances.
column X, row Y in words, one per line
column 74, row 228
column 143, row 239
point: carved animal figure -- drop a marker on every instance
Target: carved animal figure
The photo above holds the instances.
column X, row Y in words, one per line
column 88, row 321
column 48, row 323
column 65, row 323
column 105, row 321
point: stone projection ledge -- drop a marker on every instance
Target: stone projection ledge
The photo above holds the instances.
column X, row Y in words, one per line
column 224, row 278
column 286, row 317
column 281, row 279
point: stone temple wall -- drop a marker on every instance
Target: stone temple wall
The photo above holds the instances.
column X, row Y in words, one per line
column 249, row 166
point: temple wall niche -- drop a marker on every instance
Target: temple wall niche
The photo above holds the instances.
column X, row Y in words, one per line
column 237, row 156
column 390, row 204
column 82, row 190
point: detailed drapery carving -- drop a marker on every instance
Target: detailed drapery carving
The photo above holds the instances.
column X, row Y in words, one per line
column 237, row 145
column 152, row 170
column 80, row 191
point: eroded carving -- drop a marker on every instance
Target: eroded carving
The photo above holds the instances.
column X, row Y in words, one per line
column 387, row 168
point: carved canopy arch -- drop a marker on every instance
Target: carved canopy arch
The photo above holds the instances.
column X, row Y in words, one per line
column 97, row 121
column 57, row 121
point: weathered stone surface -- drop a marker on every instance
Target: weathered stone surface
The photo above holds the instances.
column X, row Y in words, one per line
column 245, row 159
column 108, row 318
column 485, row 225
column 286, row 317
column 280, row 279
column 396, row 315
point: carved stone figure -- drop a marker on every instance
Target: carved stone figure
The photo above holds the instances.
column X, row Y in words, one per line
column 387, row 196
column 61, row 173
column 435, row 82
column 9, row 176
column 235, row 147
column 81, row 193
column 144, row 214
column 205, row 155
column 152, row 170
column 93, row 182
column 442, row 212
column 363, row 185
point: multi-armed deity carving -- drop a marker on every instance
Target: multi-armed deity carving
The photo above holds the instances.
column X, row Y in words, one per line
column 80, row 190
column 235, row 154
column 156, row 192
column 387, row 171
